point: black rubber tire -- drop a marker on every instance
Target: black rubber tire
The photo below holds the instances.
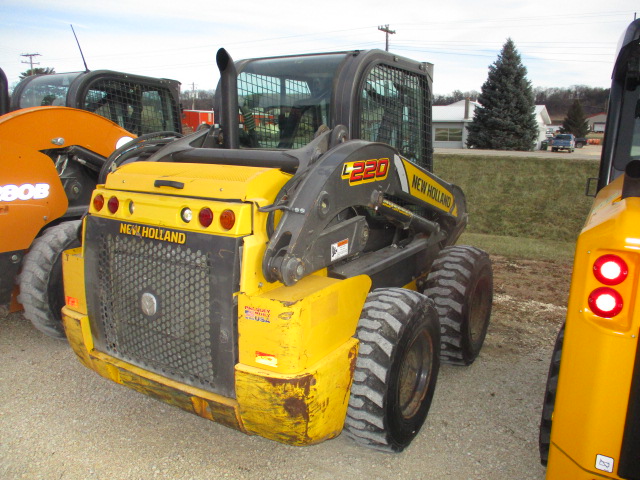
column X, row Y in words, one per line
column 41, row 287
column 461, row 285
column 544, row 439
column 396, row 369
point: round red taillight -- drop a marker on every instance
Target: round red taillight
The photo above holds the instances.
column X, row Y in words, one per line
column 605, row 302
column 227, row 219
column 610, row 269
column 205, row 217
column 113, row 204
column 98, row 202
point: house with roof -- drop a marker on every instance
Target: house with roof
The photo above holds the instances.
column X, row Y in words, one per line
column 597, row 122
column 450, row 122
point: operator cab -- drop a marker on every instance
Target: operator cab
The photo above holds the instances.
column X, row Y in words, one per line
column 622, row 141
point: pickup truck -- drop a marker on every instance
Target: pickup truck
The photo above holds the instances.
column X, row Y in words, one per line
column 581, row 142
column 563, row 141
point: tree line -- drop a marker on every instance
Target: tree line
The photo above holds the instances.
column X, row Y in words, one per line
column 557, row 100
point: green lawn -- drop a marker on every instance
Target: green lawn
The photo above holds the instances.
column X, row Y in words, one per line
column 521, row 207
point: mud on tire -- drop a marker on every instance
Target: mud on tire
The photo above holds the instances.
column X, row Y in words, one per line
column 461, row 285
column 396, row 369
column 41, row 288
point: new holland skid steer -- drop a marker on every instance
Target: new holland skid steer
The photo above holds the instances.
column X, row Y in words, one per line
column 590, row 427
column 292, row 277
column 56, row 132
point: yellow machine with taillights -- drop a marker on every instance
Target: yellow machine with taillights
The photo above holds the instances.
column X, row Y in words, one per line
column 293, row 276
column 590, row 424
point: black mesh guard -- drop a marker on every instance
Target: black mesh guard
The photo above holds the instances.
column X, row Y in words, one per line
column 187, row 331
column 395, row 109
column 140, row 109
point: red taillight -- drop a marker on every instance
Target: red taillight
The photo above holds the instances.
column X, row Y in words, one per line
column 227, row 219
column 98, row 202
column 113, row 204
column 605, row 302
column 610, row 269
column 205, row 217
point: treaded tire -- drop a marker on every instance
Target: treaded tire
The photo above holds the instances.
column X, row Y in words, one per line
column 544, row 439
column 461, row 285
column 41, row 288
column 396, row 369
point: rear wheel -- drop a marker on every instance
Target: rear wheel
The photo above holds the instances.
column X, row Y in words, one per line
column 544, row 440
column 396, row 370
column 41, row 288
column 461, row 285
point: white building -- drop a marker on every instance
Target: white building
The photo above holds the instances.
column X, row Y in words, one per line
column 450, row 123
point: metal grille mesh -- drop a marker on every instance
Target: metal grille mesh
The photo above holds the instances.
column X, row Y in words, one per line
column 136, row 108
column 395, row 110
column 177, row 341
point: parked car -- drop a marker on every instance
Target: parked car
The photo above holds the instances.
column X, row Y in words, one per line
column 563, row 141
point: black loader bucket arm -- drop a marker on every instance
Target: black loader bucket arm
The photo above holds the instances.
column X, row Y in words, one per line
column 331, row 208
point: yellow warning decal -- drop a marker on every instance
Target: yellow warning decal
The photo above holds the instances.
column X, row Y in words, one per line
column 153, row 233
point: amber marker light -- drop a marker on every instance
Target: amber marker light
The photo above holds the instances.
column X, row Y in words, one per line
column 227, row 219
column 98, row 202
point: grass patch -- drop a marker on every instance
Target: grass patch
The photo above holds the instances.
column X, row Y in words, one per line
column 528, row 198
column 513, row 247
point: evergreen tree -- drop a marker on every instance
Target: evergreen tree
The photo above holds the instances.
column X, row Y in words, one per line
column 575, row 122
column 505, row 120
column 37, row 71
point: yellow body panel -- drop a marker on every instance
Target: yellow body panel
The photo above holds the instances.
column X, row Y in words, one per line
column 259, row 185
column 23, row 135
column 598, row 354
column 296, row 347
column 290, row 329
column 299, row 409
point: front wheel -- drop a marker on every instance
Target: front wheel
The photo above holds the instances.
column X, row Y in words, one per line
column 41, row 288
column 461, row 285
column 396, row 370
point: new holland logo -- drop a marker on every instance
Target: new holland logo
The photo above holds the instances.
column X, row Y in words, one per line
column 153, row 233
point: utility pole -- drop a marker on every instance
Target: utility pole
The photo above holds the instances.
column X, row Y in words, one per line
column 31, row 62
column 388, row 32
column 193, row 96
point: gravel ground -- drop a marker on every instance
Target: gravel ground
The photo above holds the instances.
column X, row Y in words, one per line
column 61, row 421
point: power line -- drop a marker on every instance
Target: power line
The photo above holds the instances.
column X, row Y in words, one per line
column 387, row 32
column 30, row 62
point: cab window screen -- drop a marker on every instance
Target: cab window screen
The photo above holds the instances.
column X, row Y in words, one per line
column 394, row 110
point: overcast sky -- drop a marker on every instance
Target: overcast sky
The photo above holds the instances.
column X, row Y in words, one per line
column 561, row 43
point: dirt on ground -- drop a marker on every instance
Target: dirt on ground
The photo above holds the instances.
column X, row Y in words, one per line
column 61, row 421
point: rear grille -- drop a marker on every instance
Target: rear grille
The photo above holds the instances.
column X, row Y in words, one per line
column 165, row 307
column 179, row 340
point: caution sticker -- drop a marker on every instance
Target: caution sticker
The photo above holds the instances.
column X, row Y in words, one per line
column 339, row 249
column 266, row 359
